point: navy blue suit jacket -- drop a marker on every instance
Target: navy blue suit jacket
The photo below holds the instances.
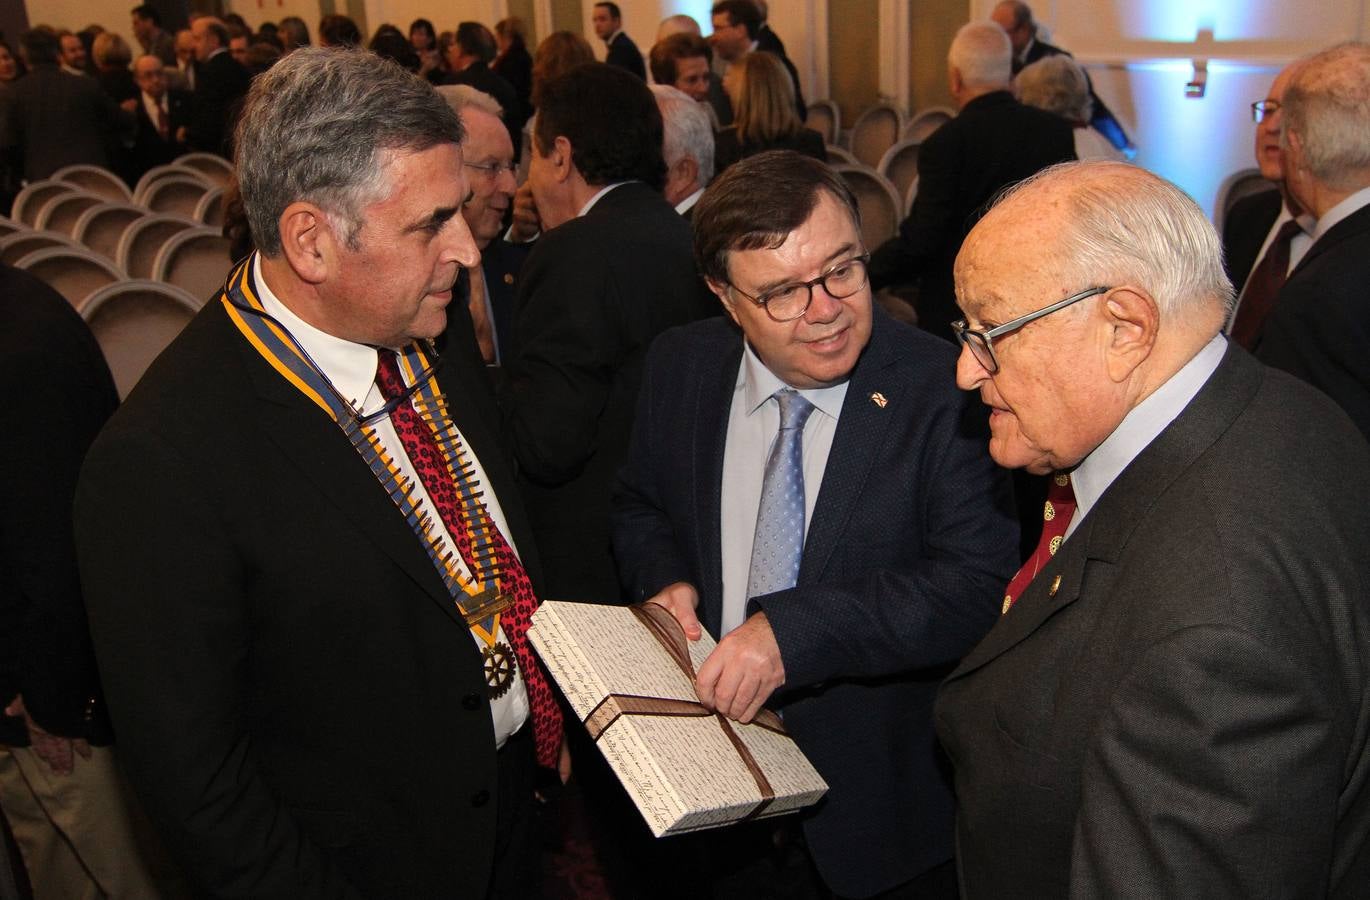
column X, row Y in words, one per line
column 911, row 543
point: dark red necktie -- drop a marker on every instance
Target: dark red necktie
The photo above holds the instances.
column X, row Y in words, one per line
column 163, row 122
column 1263, row 287
column 1056, row 514
column 428, row 462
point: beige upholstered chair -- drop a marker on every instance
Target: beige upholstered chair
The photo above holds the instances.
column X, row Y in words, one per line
column 95, row 180
column 32, row 197
column 900, row 165
column 909, row 195
column 175, row 195
column 74, row 272
column 878, row 201
column 9, row 227
column 837, row 155
column 100, row 227
column 61, row 213
column 157, row 173
column 825, row 118
column 195, row 260
column 16, row 246
column 133, row 322
column 875, row 131
column 210, row 209
column 926, row 122
column 141, row 241
column 217, row 169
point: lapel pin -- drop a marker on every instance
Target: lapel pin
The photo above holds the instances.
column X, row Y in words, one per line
column 879, row 399
column 1055, row 586
column 508, row 279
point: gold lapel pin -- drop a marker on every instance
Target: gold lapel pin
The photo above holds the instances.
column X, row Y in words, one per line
column 1055, row 586
column 508, row 279
column 879, row 399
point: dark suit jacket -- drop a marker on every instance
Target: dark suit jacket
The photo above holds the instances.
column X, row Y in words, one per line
column 148, row 148
column 299, row 703
column 58, row 394
column 1186, row 713
column 622, row 52
column 594, row 293
column 516, row 67
column 500, row 264
column 911, row 543
column 220, row 84
column 479, row 76
column 992, row 143
column 51, row 119
column 728, row 150
column 1244, row 231
column 768, row 40
column 1319, row 329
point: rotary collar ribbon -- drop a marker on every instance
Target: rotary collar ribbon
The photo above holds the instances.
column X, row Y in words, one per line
column 663, row 626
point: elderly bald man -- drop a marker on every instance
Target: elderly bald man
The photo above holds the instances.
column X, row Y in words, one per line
column 1176, row 700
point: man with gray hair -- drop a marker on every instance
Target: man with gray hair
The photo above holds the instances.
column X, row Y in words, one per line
column 993, row 142
column 1320, row 327
column 307, row 569
column 688, row 146
column 1176, row 699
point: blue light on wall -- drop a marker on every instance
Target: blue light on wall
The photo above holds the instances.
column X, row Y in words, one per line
column 1180, row 20
column 695, row 9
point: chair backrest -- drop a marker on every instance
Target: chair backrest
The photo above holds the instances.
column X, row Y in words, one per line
column 9, row 226
column 157, row 173
column 175, row 195
column 14, row 247
column 910, row 195
column 926, row 122
column 95, row 180
column 141, row 240
column 825, row 118
column 74, row 272
column 32, row 197
column 195, row 260
column 900, row 165
column 838, row 155
column 1242, row 183
column 878, row 201
column 134, row 321
column 875, row 131
column 100, row 227
column 212, row 166
column 61, row 213
column 210, row 209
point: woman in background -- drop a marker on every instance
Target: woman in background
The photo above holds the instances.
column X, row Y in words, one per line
column 513, row 62
column 425, row 43
column 764, row 116
column 113, row 56
column 1058, row 85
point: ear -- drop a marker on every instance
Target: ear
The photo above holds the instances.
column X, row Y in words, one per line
column 1133, row 320
column 561, row 158
column 954, row 79
column 308, row 241
column 688, row 168
column 724, row 296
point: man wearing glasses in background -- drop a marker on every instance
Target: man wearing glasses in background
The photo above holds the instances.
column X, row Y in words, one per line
column 805, row 483
column 1176, row 700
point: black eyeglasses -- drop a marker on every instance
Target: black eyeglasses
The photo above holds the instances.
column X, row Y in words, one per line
column 981, row 343
column 492, row 170
column 790, row 301
column 1264, row 109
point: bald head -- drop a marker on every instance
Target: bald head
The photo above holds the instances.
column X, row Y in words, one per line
column 980, row 61
column 1016, row 20
column 678, row 24
column 148, row 73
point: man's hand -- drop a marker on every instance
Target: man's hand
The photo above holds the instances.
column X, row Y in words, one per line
column 564, row 760
column 55, row 751
column 527, row 223
column 129, row 105
column 681, row 599
column 743, row 671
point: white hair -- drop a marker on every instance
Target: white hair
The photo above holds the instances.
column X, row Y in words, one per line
column 1328, row 106
column 1058, row 85
column 982, row 53
column 460, row 96
column 687, row 131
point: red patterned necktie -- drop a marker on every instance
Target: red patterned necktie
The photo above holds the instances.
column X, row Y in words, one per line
column 163, row 121
column 1263, row 287
column 1056, row 514
column 437, row 479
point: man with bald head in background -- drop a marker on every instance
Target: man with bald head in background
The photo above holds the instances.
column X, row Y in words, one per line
column 1264, row 234
column 1176, row 700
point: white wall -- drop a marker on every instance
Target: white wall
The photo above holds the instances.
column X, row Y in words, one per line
column 112, row 15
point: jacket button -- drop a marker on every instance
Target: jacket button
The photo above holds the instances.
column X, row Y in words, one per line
column 471, row 701
column 480, row 798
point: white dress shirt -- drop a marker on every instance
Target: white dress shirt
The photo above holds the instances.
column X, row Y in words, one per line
column 753, row 426
column 352, row 370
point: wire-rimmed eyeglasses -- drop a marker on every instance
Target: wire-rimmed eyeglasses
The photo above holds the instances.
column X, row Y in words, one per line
column 492, row 169
column 790, row 301
column 981, row 343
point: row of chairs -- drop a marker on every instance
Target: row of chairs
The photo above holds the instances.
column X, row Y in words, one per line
column 877, row 130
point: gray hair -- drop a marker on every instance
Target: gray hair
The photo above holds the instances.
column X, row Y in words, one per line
column 460, row 96
column 1328, row 106
column 687, row 130
column 1129, row 226
column 1058, row 85
column 982, row 53
column 314, row 127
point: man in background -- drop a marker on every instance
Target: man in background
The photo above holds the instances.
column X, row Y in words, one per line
column 688, row 148
column 737, row 25
column 622, row 52
column 147, row 27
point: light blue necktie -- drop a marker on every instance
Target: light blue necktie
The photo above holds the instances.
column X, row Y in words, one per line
column 779, row 541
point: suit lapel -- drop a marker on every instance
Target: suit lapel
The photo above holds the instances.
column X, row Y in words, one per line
column 1103, row 535
column 1346, row 229
column 713, row 404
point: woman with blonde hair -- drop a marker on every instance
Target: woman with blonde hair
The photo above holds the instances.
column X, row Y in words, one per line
column 764, row 116
column 113, row 56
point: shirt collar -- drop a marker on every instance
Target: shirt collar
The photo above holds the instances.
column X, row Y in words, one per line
column 1341, row 211
column 349, row 366
column 1141, row 426
column 759, row 383
column 589, row 204
column 1306, row 221
column 688, row 203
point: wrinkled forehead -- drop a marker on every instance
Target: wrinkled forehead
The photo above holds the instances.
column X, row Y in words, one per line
column 1012, row 257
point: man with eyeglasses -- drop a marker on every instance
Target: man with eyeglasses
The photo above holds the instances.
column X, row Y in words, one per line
column 1176, row 699
column 1265, row 234
column 806, row 484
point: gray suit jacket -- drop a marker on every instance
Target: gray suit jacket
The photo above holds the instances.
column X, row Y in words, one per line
column 1185, row 714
